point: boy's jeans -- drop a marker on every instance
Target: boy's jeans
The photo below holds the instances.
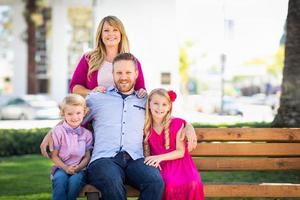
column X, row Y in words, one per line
column 66, row 186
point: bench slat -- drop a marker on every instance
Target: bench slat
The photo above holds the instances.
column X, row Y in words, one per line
column 248, row 134
column 244, row 164
column 234, row 190
column 252, row 190
column 247, row 149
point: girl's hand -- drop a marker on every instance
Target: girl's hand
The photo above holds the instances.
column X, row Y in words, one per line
column 99, row 89
column 141, row 93
column 153, row 161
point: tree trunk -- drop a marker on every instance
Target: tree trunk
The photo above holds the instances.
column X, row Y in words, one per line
column 31, row 8
column 289, row 110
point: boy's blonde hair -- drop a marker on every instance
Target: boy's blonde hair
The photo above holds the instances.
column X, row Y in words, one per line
column 166, row 121
column 73, row 100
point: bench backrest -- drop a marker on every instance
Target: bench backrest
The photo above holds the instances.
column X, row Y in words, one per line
column 248, row 149
column 242, row 149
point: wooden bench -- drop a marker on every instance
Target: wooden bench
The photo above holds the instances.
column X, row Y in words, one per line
column 242, row 149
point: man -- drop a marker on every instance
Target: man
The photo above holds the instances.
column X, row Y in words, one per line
column 118, row 120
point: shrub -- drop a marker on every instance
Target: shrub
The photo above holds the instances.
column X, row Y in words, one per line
column 27, row 141
column 21, row 141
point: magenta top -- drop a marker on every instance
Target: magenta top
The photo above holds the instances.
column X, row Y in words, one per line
column 71, row 143
column 181, row 177
column 81, row 71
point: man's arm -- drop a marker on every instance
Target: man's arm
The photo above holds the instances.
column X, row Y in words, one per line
column 190, row 134
column 47, row 142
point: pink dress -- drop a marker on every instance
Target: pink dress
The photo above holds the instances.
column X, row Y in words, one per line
column 181, row 177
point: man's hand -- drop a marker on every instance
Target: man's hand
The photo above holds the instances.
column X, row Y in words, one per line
column 141, row 93
column 47, row 142
column 190, row 134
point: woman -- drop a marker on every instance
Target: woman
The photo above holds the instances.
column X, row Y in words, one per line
column 94, row 70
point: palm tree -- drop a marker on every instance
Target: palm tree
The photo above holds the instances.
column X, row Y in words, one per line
column 289, row 111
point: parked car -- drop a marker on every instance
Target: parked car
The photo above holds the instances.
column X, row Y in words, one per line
column 30, row 107
column 231, row 107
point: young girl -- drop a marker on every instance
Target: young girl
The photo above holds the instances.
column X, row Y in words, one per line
column 168, row 150
column 71, row 153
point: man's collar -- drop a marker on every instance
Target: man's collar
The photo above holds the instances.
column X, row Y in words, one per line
column 114, row 89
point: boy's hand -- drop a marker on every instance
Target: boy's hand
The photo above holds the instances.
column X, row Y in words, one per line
column 76, row 168
column 70, row 169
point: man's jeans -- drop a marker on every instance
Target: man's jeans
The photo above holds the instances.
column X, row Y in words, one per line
column 66, row 186
column 110, row 174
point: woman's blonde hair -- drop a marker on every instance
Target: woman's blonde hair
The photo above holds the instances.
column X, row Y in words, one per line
column 166, row 121
column 73, row 100
column 96, row 57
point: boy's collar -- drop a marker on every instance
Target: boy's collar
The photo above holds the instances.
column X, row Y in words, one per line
column 69, row 129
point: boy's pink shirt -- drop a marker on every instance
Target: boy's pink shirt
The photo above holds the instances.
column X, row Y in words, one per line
column 72, row 144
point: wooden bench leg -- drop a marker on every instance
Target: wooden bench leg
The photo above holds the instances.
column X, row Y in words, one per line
column 93, row 196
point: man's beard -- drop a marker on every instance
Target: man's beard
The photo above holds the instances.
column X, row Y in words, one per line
column 125, row 89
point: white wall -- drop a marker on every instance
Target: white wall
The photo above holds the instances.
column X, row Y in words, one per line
column 151, row 29
column 19, row 46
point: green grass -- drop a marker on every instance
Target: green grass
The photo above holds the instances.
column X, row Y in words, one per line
column 24, row 177
column 27, row 178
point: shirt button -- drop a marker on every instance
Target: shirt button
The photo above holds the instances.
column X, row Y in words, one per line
column 123, row 122
column 124, row 110
column 123, row 133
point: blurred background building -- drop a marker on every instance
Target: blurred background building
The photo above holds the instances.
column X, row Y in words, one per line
column 223, row 56
column 65, row 30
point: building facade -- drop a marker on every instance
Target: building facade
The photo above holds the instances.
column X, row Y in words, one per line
column 62, row 39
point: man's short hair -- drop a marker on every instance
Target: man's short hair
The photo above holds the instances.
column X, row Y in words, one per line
column 125, row 56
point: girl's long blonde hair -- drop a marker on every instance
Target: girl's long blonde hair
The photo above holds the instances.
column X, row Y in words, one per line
column 96, row 57
column 166, row 121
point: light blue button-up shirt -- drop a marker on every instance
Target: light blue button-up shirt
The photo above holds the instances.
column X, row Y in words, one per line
column 118, row 123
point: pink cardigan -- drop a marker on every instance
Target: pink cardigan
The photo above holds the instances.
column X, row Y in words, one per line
column 81, row 71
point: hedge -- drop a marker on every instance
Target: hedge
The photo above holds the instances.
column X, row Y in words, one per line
column 21, row 141
column 27, row 141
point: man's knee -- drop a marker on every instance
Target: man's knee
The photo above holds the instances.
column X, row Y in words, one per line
column 158, row 184
column 105, row 177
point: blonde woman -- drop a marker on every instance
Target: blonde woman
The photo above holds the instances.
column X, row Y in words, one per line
column 94, row 70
